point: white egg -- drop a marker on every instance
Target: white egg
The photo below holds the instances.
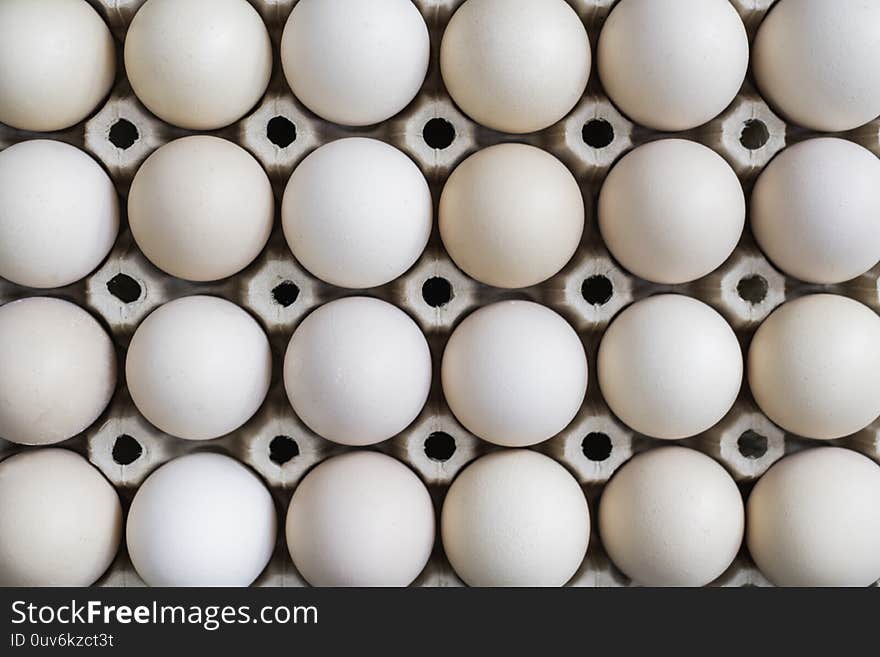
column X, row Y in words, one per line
column 515, row 65
column 671, row 211
column 60, row 520
column 59, row 214
column 201, row 208
column 58, row 370
column 514, row 373
column 203, row 519
column 817, row 62
column 511, row 215
column 198, row 367
column 814, row 520
column 515, row 518
column 671, row 516
column 198, row 64
column 355, row 63
column 357, row 371
column 670, row 366
column 814, row 366
column 360, row 519
column 357, row 213
column 57, row 62
column 673, row 65
column 815, row 210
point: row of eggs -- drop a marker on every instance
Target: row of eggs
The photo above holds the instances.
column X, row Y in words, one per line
column 358, row 370
column 513, row 65
column 358, row 213
column 670, row 516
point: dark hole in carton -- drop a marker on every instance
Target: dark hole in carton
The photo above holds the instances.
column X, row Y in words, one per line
column 281, row 131
column 752, row 445
column 285, row 293
column 126, row 450
column 597, row 133
column 438, row 133
column 439, row 446
column 754, row 134
column 597, row 290
column 124, row 288
column 437, row 292
column 752, row 288
column 282, row 449
column 123, row 134
column 596, row 446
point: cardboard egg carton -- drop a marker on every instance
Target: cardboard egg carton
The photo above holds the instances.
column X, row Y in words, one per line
column 589, row 292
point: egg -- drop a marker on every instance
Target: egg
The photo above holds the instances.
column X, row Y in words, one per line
column 671, row 516
column 198, row 367
column 60, row 520
column 813, row 519
column 511, row 215
column 514, row 373
column 357, row 371
column 672, row 65
column 203, row 519
column 817, row 62
column 59, row 214
column 670, row 366
column 355, row 63
column 57, row 62
column 814, row 366
column 671, row 211
column 515, row 65
column 58, row 370
column 515, row 518
column 198, row 64
column 357, row 213
column 201, row 208
column 815, row 210
column 360, row 519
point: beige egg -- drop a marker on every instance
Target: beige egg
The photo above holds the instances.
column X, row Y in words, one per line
column 511, row 215
column 814, row 366
column 201, row 208
column 671, row 211
column 671, row 516
column 814, row 519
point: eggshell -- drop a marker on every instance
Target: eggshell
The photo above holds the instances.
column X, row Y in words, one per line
column 357, row 371
column 814, row 520
column 817, row 62
column 671, row 516
column 357, row 213
column 515, row 518
column 201, row 208
column 198, row 367
column 671, row 211
column 58, row 370
column 511, row 215
column 514, row 373
column 203, row 519
column 60, row 520
column 673, row 65
column 355, row 63
column 57, row 62
column 360, row 519
column 515, row 65
column 814, row 366
column 816, row 210
column 670, row 366
column 198, row 64
column 59, row 214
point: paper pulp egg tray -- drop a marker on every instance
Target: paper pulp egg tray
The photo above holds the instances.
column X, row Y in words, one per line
column 278, row 292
